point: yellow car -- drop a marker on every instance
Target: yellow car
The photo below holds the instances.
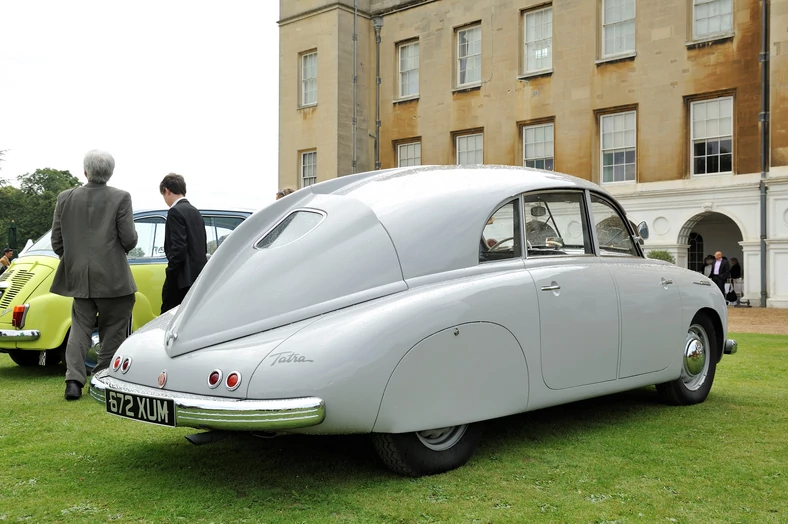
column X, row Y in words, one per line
column 34, row 323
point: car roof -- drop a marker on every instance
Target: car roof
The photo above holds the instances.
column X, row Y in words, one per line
column 163, row 211
column 435, row 214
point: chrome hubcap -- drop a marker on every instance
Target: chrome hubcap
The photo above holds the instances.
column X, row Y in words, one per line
column 441, row 439
column 696, row 358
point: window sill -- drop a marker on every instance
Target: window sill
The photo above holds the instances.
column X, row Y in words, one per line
column 612, row 59
column 466, row 88
column 704, row 175
column 405, row 100
column 535, row 74
column 620, row 183
column 308, row 106
column 710, row 40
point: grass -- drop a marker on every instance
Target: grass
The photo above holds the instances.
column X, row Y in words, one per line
column 623, row 458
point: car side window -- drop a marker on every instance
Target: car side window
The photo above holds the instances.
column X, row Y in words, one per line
column 501, row 235
column 555, row 224
column 611, row 230
column 217, row 228
column 150, row 238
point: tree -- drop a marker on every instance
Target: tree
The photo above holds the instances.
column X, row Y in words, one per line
column 33, row 204
column 661, row 254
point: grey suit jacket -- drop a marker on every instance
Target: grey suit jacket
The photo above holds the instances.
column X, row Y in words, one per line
column 92, row 232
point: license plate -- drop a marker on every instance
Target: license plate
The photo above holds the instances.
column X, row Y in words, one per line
column 138, row 407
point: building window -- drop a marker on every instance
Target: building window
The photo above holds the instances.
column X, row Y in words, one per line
column 309, row 79
column 408, row 70
column 538, row 36
column 538, row 146
column 618, row 27
column 712, row 17
column 409, row 154
column 619, row 142
column 469, row 55
column 695, row 253
column 470, row 149
column 712, row 136
column 308, row 168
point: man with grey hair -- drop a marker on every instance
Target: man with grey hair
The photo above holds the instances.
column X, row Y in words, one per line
column 92, row 232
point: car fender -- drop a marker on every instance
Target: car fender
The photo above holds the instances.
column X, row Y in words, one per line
column 462, row 374
column 51, row 315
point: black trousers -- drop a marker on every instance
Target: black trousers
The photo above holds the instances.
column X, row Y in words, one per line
column 172, row 295
column 720, row 282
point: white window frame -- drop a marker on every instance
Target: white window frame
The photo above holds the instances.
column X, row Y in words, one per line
column 546, row 41
column 548, row 146
column 308, row 83
column 409, row 154
column 718, row 136
column 618, row 148
column 712, row 34
column 407, row 74
column 476, row 57
column 307, row 169
column 460, row 145
column 617, row 25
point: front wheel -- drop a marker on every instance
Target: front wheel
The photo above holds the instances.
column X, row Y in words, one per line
column 428, row 452
column 699, row 363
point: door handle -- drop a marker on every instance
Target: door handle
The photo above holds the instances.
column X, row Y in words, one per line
column 551, row 288
column 666, row 281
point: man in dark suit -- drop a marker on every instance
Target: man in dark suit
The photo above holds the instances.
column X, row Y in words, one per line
column 92, row 232
column 720, row 271
column 185, row 242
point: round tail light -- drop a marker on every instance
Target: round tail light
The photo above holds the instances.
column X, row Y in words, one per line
column 116, row 363
column 233, row 380
column 215, row 378
column 126, row 364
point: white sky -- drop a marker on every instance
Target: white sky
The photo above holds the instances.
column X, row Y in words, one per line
column 165, row 86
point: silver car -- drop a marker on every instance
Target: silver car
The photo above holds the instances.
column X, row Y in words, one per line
column 416, row 303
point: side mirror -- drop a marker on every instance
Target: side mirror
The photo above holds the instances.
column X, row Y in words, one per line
column 643, row 230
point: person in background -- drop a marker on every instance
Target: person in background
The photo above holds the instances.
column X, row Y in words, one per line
column 720, row 271
column 283, row 193
column 735, row 268
column 708, row 265
column 5, row 260
column 185, row 242
column 92, row 232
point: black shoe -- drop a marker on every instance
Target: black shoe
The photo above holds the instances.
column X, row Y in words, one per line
column 73, row 390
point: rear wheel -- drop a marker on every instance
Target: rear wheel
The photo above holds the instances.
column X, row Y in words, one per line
column 428, row 452
column 699, row 364
column 30, row 358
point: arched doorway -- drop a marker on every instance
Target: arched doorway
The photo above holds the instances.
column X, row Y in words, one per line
column 708, row 232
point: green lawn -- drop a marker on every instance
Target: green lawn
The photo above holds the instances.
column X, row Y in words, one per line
column 622, row 458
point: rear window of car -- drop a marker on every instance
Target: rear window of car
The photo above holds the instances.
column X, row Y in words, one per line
column 293, row 227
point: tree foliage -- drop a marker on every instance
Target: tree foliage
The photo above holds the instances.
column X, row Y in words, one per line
column 661, row 254
column 32, row 205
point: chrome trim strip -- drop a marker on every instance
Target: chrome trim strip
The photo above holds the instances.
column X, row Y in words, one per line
column 702, row 282
column 9, row 335
column 204, row 412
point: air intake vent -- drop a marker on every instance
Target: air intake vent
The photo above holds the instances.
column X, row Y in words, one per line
column 18, row 279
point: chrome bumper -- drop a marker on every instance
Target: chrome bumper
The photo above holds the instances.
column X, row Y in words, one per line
column 731, row 346
column 198, row 411
column 19, row 335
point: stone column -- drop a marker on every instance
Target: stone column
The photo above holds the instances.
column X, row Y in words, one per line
column 751, row 263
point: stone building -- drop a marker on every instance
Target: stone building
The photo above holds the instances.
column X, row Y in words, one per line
column 658, row 101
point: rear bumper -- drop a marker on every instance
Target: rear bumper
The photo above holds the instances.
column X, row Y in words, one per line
column 731, row 346
column 19, row 335
column 204, row 412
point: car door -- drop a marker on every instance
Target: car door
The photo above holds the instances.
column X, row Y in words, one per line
column 651, row 329
column 578, row 305
column 148, row 264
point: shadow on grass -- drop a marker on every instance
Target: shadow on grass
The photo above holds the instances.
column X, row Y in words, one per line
column 31, row 372
column 243, row 462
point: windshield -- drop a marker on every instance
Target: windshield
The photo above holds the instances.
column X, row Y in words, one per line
column 42, row 246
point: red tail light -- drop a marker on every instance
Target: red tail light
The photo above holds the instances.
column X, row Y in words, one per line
column 18, row 319
column 215, row 378
column 116, row 363
column 233, row 380
column 126, row 364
